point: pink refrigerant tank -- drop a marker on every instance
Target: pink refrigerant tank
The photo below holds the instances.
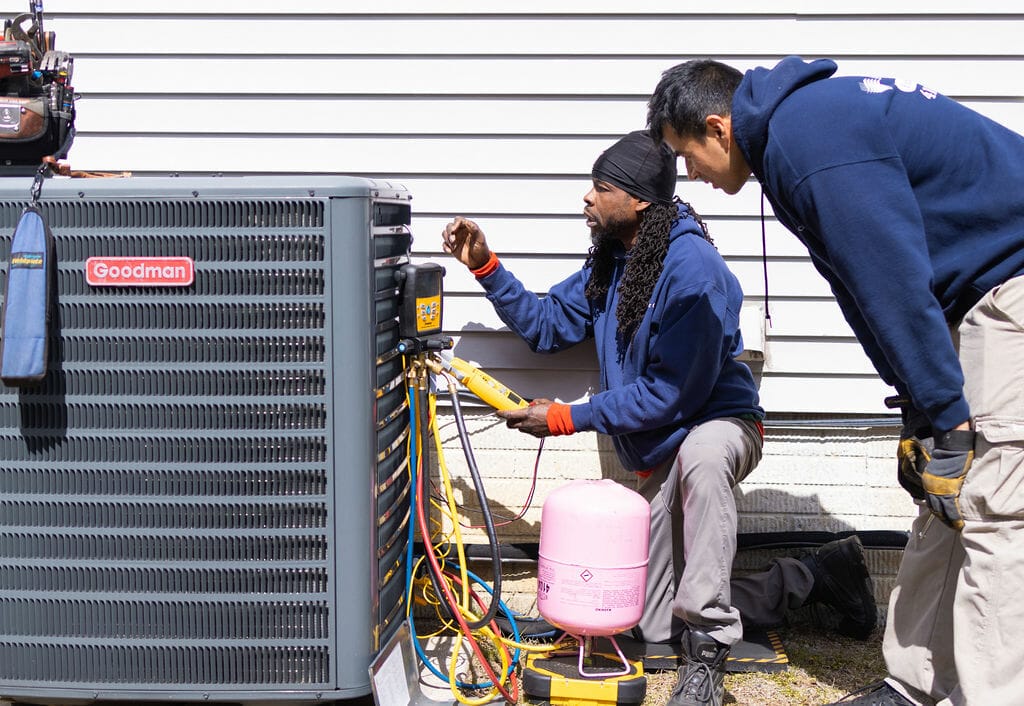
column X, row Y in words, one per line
column 592, row 568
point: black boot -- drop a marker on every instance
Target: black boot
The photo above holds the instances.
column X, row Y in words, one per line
column 841, row 580
column 702, row 673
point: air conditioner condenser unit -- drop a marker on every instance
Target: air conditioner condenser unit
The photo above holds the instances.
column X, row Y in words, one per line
column 207, row 497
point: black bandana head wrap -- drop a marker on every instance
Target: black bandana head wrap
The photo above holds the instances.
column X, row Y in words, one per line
column 640, row 167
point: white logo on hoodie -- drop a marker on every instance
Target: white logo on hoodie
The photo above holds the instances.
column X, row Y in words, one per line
column 875, row 85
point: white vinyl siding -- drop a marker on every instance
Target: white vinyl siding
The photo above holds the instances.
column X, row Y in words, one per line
column 496, row 111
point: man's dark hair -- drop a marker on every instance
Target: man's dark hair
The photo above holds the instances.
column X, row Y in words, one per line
column 643, row 268
column 688, row 93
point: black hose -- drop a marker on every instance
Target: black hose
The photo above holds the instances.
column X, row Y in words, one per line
column 492, row 536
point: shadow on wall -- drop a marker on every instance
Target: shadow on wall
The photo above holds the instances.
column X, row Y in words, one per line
column 505, row 519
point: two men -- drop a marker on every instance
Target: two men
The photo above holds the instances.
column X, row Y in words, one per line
column 681, row 411
column 911, row 207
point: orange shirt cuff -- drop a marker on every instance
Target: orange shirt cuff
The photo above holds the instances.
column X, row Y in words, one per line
column 487, row 268
column 560, row 419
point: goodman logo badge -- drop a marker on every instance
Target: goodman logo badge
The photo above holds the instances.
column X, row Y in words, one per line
column 140, row 271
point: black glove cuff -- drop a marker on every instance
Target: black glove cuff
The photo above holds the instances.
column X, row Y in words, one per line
column 895, row 402
column 956, row 440
column 915, row 423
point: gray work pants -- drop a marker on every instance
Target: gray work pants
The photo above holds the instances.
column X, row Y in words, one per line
column 693, row 542
column 956, row 615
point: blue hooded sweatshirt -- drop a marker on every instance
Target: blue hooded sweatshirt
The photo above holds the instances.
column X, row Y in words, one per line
column 679, row 370
column 911, row 205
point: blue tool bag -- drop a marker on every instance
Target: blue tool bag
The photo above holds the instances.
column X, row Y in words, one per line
column 27, row 302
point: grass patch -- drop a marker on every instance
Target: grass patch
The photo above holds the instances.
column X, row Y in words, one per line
column 823, row 667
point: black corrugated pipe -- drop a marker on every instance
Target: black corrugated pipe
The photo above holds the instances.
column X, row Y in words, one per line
column 871, row 539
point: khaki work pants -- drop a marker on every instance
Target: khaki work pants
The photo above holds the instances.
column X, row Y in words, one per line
column 955, row 632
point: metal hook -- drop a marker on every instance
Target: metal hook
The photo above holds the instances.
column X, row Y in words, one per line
column 37, row 183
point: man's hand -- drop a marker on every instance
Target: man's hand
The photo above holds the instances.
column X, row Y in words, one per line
column 529, row 420
column 912, row 457
column 943, row 476
column 464, row 239
column 915, row 447
column 933, row 469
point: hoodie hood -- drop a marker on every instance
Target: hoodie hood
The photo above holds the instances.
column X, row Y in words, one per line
column 684, row 223
column 760, row 93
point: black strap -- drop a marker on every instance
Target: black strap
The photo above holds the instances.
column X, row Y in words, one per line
column 62, row 151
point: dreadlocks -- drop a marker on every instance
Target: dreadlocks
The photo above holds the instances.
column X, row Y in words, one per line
column 643, row 267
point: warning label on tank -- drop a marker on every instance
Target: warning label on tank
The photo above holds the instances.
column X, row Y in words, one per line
column 622, row 598
column 600, row 590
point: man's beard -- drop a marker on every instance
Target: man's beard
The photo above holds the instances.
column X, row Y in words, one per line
column 608, row 232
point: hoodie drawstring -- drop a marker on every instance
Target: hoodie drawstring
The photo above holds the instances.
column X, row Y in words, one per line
column 764, row 262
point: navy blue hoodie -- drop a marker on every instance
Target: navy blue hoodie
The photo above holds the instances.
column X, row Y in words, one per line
column 911, row 205
column 680, row 368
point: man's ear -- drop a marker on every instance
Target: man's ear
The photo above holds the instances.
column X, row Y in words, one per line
column 719, row 127
column 639, row 205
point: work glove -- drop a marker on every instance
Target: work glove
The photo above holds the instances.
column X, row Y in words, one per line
column 915, row 446
column 944, row 474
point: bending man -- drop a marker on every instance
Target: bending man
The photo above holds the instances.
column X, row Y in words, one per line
column 910, row 205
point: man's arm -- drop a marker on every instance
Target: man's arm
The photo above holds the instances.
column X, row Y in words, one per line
column 547, row 324
column 876, row 246
column 684, row 365
column 683, row 369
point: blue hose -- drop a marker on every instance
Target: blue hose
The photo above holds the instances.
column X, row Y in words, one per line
column 463, row 685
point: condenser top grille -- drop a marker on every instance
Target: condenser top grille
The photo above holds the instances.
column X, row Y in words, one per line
column 177, row 214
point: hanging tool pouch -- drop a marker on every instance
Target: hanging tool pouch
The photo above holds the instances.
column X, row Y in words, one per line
column 26, row 129
column 27, row 305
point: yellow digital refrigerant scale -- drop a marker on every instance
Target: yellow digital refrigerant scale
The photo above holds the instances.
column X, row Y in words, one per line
column 556, row 678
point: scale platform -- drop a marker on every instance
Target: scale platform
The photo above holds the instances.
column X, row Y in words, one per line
column 556, row 680
column 760, row 651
